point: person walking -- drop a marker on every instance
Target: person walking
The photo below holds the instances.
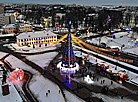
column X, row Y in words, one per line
column 48, row 91
column 103, row 81
column 111, row 82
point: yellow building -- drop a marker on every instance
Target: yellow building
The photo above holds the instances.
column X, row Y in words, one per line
column 36, row 38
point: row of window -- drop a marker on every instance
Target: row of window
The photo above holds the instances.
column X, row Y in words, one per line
column 44, row 38
column 37, row 42
column 19, row 28
column 41, row 41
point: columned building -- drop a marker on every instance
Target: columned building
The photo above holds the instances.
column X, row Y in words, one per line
column 36, row 38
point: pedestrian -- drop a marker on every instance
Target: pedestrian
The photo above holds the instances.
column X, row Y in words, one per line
column 122, row 97
column 97, row 79
column 101, row 100
column 116, row 68
column 103, row 81
column 48, row 91
column 107, row 89
column 111, row 82
column 116, row 92
column 66, row 77
column 46, row 94
column 59, row 91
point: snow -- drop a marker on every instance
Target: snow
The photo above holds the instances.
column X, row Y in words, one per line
column 26, row 49
column 2, row 54
column 40, row 92
column 121, row 38
column 42, row 60
column 114, row 60
column 106, row 98
column 118, row 35
column 133, row 77
column 15, row 62
column 88, row 35
column 39, row 80
column 6, row 35
column 14, row 95
column 132, row 50
column 64, row 69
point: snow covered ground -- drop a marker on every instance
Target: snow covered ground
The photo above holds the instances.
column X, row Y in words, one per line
column 2, row 54
column 106, row 98
column 88, row 35
column 42, row 60
column 122, row 38
column 107, row 82
column 26, row 49
column 6, row 35
column 38, row 80
column 14, row 95
column 40, row 86
column 133, row 77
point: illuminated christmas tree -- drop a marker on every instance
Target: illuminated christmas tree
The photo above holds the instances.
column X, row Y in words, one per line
column 68, row 57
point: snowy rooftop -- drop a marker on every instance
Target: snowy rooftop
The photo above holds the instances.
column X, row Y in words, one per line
column 35, row 34
column 9, row 26
column 8, row 14
column 13, row 25
column 1, row 29
column 117, row 35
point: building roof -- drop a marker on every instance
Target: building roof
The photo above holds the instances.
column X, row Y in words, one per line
column 35, row 34
column 1, row 29
column 13, row 25
column 9, row 26
column 9, row 14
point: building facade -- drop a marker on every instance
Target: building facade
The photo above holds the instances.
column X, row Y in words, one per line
column 9, row 18
column 36, row 38
column 2, row 21
column 12, row 28
column 1, row 31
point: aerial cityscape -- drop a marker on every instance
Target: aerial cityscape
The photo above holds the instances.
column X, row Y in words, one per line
column 69, row 51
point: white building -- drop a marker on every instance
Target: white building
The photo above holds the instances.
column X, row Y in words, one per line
column 36, row 38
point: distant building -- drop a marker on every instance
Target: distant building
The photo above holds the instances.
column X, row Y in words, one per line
column 11, row 28
column 25, row 27
column 1, row 31
column 2, row 21
column 9, row 18
column 47, row 22
column 36, row 38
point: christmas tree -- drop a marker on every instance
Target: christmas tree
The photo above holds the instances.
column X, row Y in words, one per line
column 68, row 57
